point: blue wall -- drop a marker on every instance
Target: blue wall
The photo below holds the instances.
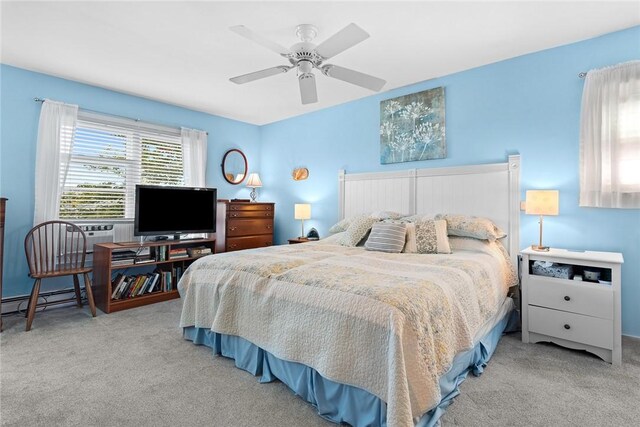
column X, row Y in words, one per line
column 19, row 127
column 528, row 105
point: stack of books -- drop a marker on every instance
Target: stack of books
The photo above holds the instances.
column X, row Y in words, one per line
column 178, row 253
column 123, row 257
column 132, row 286
column 199, row 251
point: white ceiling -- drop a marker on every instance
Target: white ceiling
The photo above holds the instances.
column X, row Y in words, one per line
column 183, row 53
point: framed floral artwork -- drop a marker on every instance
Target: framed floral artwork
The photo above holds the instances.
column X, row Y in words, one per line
column 412, row 127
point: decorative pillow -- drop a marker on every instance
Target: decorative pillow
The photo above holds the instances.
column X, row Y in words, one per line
column 358, row 228
column 430, row 237
column 472, row 226
column 340, row 226
column 410, row 247
column 382, row 215
column 413, row 218
column 386, row 237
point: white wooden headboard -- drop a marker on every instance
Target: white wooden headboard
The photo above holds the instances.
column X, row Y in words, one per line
column 489, row 190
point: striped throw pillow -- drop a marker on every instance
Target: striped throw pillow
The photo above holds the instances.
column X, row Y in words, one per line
column 386, row 237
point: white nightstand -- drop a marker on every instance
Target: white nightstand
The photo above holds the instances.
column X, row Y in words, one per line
column 576, row 314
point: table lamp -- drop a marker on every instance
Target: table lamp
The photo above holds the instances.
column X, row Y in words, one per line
column 302, row 211
column 254, row 182
column 542, row 202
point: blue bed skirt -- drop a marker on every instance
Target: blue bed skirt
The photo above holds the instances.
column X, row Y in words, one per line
column 341, row 403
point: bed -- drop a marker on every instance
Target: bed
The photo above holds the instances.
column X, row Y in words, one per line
column 369, row 338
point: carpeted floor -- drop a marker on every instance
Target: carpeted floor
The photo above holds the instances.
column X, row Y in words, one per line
column 134, row 368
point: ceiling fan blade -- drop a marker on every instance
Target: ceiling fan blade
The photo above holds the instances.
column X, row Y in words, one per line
column 246, row 78
column 354, row 77
column 308, row 93
column 255, row 37
column 348, row 37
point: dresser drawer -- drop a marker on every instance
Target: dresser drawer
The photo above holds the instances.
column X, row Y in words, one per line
column 572, row 327
column 249, row 227
column 250, row 214
column 582, row 298
column 239, row 243
column 250, row 207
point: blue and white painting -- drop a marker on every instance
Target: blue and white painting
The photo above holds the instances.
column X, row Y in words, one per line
column 412, row 127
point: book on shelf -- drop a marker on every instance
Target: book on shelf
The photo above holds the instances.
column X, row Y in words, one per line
column 125, row 287
column 159, row 253
column 124, row 261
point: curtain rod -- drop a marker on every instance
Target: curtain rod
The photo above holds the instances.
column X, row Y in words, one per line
column 36, row 99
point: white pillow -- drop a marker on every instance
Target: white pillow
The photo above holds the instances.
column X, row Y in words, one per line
column 382, row 215
column 358, row 228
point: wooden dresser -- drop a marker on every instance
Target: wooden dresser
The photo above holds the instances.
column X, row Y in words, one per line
column 244, row 225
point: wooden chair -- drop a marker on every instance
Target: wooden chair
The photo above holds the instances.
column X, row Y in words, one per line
column 54, row 249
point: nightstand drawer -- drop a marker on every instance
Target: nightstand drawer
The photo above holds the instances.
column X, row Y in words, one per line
column 572, row 327
column 583, row 298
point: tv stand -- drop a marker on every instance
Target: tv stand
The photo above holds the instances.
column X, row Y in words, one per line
column 105, row 269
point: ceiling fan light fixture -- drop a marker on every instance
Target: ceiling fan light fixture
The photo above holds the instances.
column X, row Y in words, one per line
column 304, row 67
column 306, row 32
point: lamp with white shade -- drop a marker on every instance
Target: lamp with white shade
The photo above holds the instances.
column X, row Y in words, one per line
column 302, row 211
column 254, row 182
column 542, row 202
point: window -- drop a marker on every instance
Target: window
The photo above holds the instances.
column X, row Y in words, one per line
column 610, row 138
column 109, row 156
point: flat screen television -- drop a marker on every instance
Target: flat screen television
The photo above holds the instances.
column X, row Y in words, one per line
column 174, row 210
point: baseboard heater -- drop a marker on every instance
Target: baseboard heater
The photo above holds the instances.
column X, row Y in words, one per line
column 18, row 304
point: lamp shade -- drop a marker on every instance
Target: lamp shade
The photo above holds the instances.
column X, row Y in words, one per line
column 542, row 202
column 254, row 181
column 302, row 211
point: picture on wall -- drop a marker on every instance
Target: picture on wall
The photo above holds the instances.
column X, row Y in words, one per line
column 412, row 127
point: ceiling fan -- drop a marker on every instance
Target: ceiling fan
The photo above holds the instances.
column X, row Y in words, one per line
column 305, row 56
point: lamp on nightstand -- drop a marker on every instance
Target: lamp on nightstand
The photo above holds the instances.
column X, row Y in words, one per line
column 302, row 211
column 542, row 202
column 254, row 182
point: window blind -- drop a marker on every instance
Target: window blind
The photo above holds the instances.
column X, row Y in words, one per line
column 110, row 155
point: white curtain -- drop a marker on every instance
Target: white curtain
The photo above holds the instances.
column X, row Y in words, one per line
column 194, row 157
column 610, row 137
column 56, row 132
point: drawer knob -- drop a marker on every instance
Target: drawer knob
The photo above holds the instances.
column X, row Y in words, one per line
column 234, row 229
column 567, row 298
column 566, row 326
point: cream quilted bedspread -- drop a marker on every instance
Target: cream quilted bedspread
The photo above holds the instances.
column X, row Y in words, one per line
column 390, row 324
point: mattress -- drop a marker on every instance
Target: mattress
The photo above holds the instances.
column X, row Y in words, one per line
column 390, row 324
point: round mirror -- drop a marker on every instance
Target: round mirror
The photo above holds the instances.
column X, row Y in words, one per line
column 234, row 166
